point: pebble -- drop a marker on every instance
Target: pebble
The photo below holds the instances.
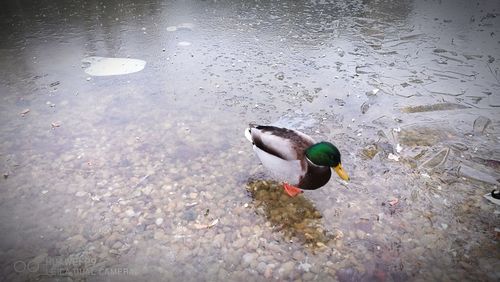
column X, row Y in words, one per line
column 248, row 259
column 117, row 245
column 308, row 276
column 223, row 275
column 286, row 268
column 360, row 234
column 269, row 271
column 159, row 221
column 68, row 158
column 246, row 231
column 304, row 266
column 147, row 190
column 219, row 240
column 261, row 267
column 239, row 243
column 159, row 235
column 112, row 239
column 130, row 213
column 253, row 244
column 298, row 255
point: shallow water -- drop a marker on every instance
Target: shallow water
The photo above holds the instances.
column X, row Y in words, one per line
column 147, row 176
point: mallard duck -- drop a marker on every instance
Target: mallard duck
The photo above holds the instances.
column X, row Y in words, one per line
column 295, row 158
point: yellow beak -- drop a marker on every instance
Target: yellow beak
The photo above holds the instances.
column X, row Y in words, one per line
column 341, row 172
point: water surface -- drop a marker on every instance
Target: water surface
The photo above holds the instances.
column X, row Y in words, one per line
column 147, row 175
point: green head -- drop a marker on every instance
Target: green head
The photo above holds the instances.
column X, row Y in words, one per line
column 326, row 154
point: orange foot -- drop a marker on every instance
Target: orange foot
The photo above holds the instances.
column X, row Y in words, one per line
column 291, row 190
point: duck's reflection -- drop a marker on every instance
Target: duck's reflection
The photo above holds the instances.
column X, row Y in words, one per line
column 296, row 217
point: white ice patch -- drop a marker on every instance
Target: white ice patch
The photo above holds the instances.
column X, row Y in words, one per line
column 188, row 26
column 101, row 66
column 393, row 157
column 184, row 43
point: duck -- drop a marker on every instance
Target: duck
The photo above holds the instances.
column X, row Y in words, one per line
column 295, row 158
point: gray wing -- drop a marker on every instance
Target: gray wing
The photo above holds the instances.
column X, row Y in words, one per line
column 287, row 144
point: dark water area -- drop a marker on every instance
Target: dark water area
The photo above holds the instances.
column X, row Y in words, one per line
column 123, row 155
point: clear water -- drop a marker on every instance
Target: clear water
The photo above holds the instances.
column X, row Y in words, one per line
column 147, row 176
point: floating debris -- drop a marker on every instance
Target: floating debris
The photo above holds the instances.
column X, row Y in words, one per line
column 369, row 151
column 432, row 108
column 204, row 226
column 439, row 50
column 398, row 148
column 340, row 52
column 494, row 100
column 393, row 202
column 437, row 159
column 467, row 171
column 340, row 102
column 280, row 75
column 24, row 112
column 480, row 124
column 364, row 107
column 444, row 88
column 423, row 135
column 372, row 92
